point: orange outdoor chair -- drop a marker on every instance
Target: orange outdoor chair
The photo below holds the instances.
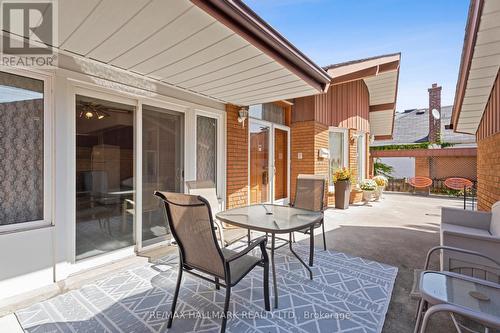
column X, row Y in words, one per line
column 460, row 184
column 457, row 183
column 420, row 182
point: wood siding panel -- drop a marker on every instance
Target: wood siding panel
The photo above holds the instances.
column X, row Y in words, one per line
column 303, row 109
column 344, row 105
column 490, row 123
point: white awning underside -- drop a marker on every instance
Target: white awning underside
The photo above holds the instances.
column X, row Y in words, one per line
column 177, row 43
column 483, row 70
column 382, row 90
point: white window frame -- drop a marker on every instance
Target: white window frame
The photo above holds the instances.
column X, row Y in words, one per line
column 361, row 160
column 345, row 158
column 219, row 141
column 48, row 148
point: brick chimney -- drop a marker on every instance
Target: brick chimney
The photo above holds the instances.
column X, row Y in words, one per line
column 434, row 103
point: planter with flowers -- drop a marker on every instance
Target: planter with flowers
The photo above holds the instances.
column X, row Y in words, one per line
column 368, row 186
column 342, row 181
column 382, row 182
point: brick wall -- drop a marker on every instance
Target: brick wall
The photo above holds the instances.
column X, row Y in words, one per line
column 237, row 159
column 422, row 167
column 434, row 103
column 302, row 142
column 488, row 171
column 307, row 137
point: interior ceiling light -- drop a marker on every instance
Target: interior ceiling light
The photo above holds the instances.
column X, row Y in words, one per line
column 92, row 111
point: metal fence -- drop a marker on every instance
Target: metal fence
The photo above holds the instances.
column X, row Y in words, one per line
column 437, row 187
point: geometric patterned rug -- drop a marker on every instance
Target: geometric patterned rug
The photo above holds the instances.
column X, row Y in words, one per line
column 347, row 294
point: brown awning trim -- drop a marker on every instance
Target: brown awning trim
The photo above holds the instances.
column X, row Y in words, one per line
column 367, row 72
column 382, row 107
column 383, row 137
column 241, row 19
column 424, row 152
column 472, row 27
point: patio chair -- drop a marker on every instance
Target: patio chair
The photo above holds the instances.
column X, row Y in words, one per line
column 192, row 226
column 488, row 273
column 471, row 230
column 310, row 194
column 420, row 183
column 227, row 234
column 461, row 184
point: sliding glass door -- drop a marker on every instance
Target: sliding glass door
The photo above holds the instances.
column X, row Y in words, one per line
column 162, row 167
column 104, row 176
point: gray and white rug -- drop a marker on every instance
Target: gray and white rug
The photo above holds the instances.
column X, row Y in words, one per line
column 348, row 294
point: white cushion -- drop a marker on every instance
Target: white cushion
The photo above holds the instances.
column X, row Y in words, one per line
column 495, row 219
column 447, row 227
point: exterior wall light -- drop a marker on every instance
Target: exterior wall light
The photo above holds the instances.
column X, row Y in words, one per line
column 242, row 116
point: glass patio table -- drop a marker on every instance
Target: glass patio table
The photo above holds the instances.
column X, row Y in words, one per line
column 274, row 219
column 476, row 299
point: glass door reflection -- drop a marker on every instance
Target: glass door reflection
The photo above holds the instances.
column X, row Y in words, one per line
column 104, row 176
column 162, row 167
column 280, row 164
column 259, row 163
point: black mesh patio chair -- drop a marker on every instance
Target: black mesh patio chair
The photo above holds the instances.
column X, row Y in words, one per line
column 309, row 194
column 192, row 226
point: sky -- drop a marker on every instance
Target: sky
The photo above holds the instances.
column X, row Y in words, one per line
column 428, row 33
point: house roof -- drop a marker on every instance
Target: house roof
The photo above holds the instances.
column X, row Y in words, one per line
column 412, row 126
column 381, row 75
column 357, row 61
column 479, row 65
column 215, row 48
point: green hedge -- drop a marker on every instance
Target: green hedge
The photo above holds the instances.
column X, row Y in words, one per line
column 421, row 145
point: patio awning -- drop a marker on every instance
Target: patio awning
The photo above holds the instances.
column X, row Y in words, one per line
column 219, row 49
column 380, row 75
column 479, row 65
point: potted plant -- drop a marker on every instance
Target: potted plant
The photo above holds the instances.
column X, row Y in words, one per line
column 381, row 184
column 368, row 186
column 342, row 182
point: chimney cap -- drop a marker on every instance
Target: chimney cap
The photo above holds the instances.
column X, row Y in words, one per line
column 434, row 87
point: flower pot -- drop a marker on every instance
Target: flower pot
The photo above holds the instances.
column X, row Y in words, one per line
column 368, row 195
column 342, row 194
column 378, row 192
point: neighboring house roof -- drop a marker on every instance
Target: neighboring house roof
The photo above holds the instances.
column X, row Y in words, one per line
column 214, row 48
column 381, row 75
column 479, row 65
column 413, row 127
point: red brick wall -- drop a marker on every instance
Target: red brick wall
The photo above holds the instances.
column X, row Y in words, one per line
column 302, row 141
column 307, row 137
column 422, row 167
column 434, row 103
column 488, row 171
column 237, row 159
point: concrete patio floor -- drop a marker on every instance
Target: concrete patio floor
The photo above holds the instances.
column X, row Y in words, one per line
column 398, row 230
